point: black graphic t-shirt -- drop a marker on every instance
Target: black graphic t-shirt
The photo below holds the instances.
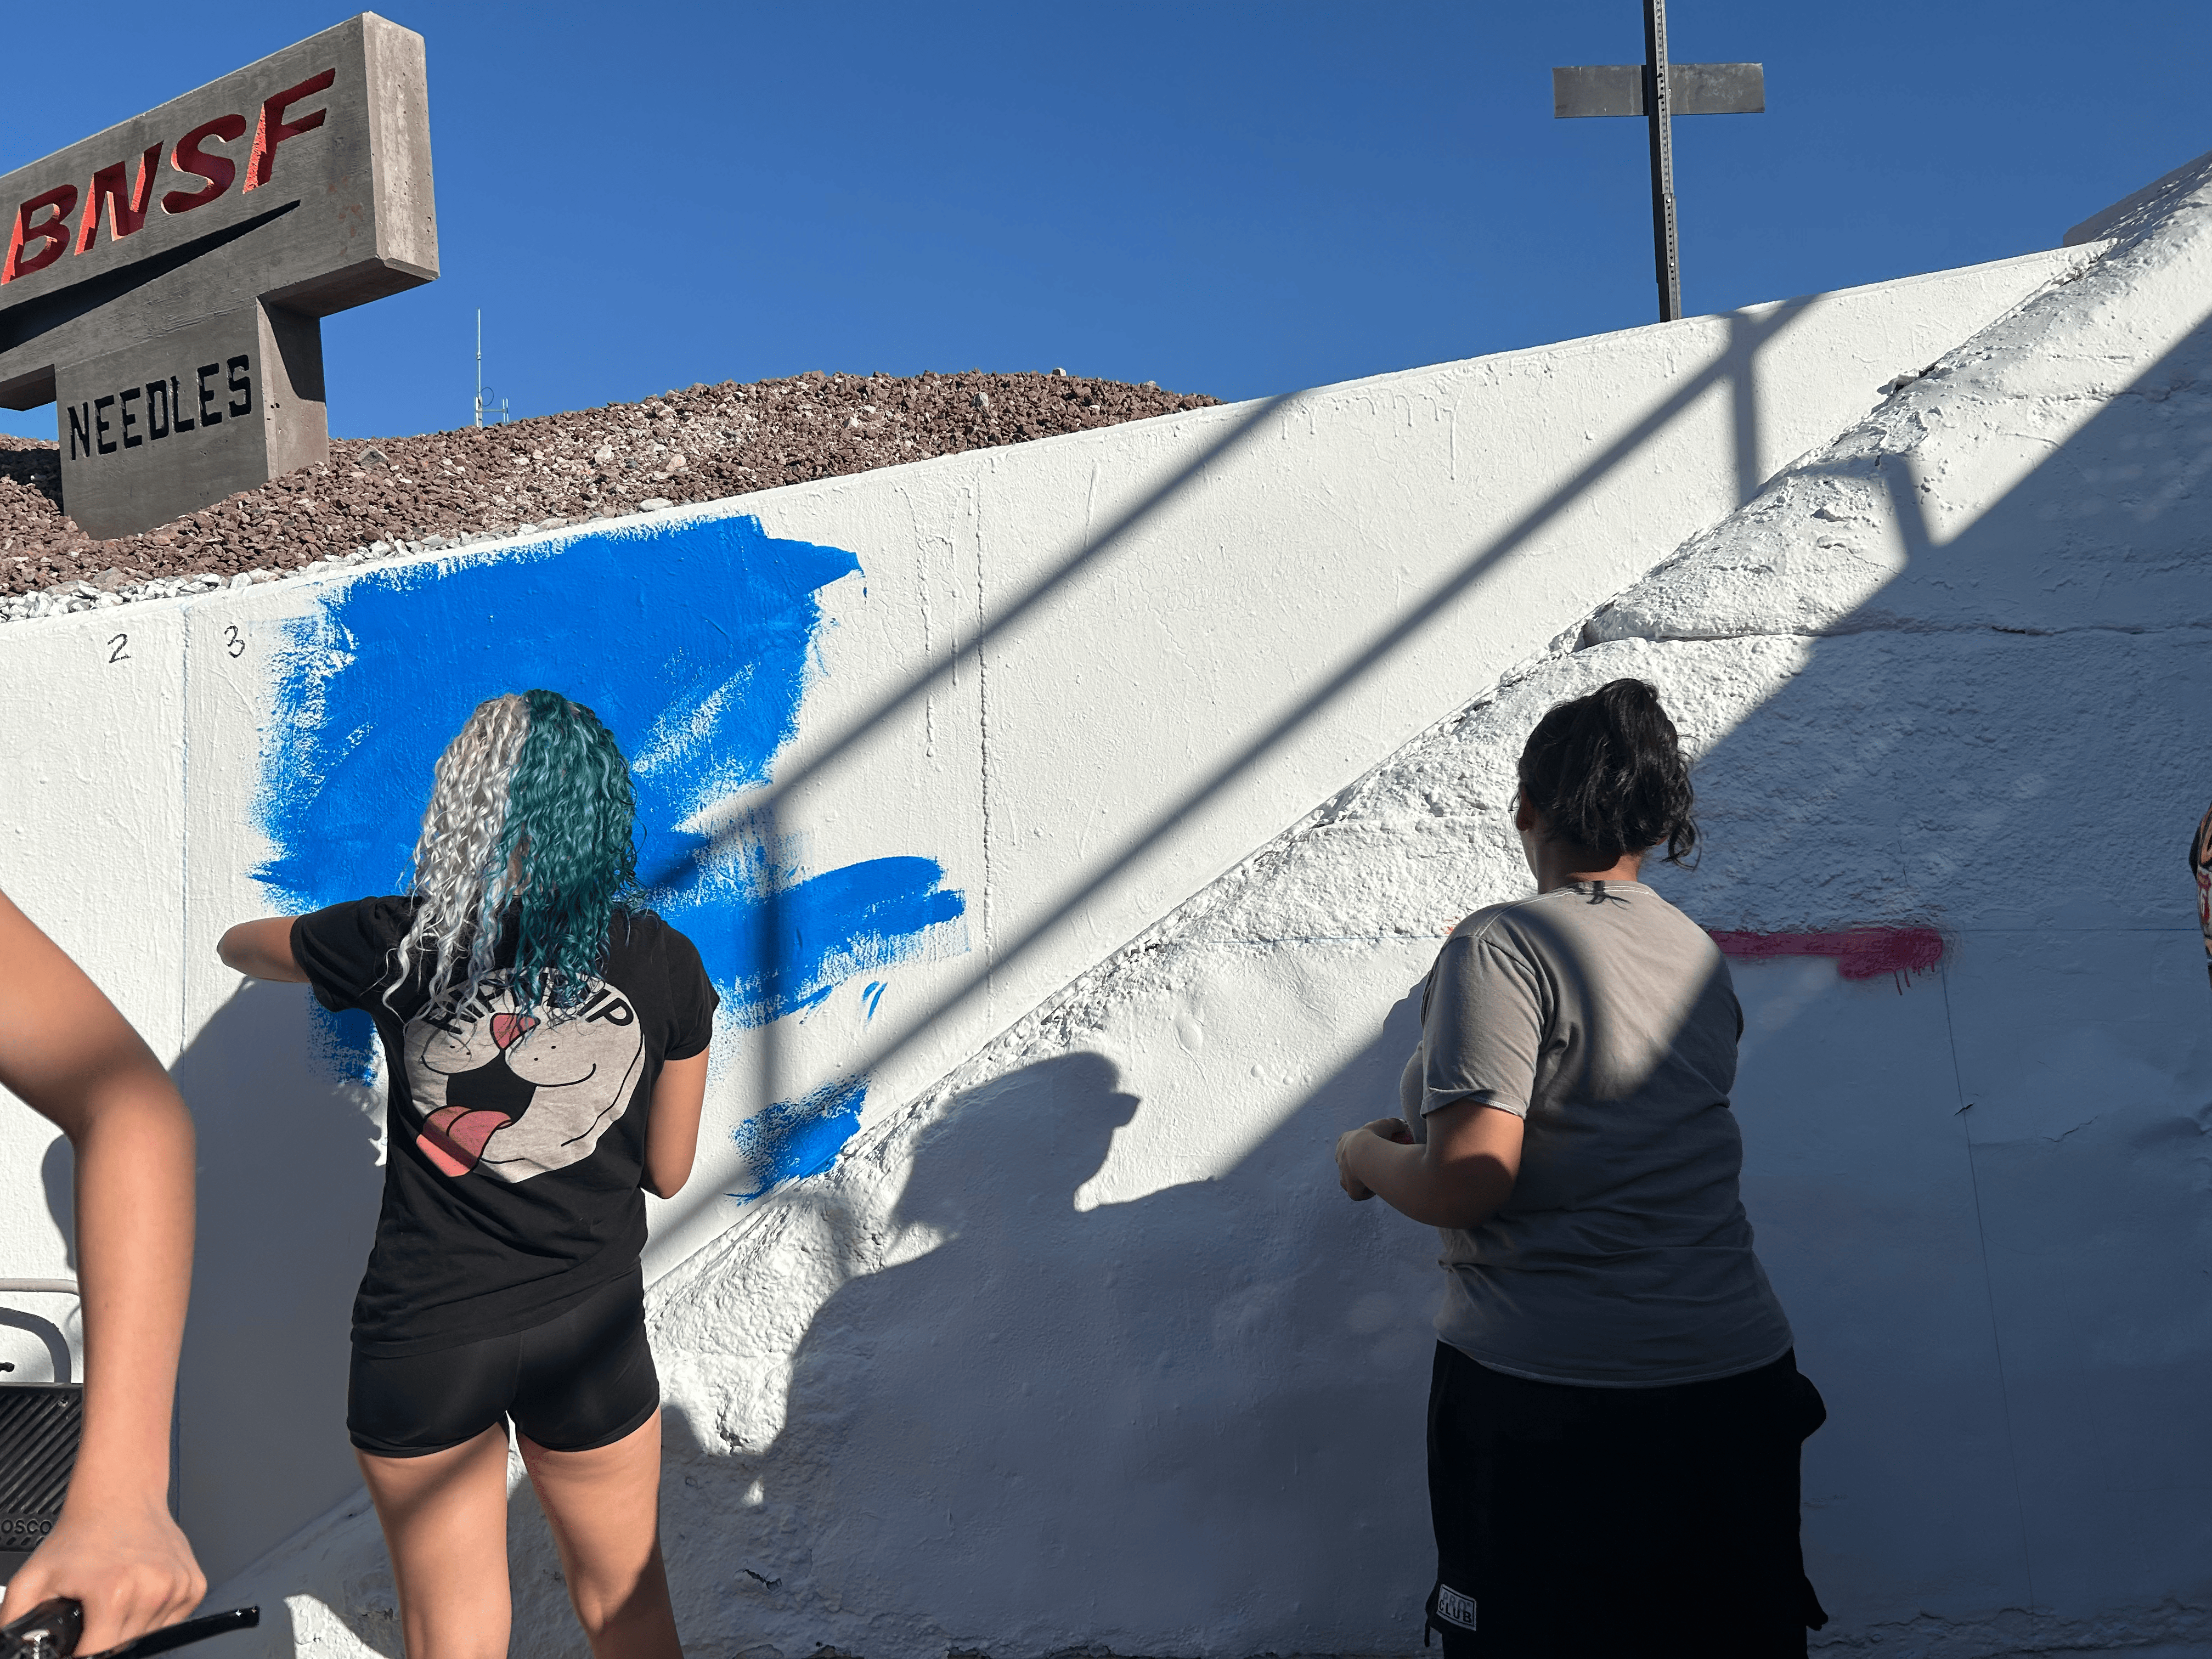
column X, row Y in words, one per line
column 516, row 1139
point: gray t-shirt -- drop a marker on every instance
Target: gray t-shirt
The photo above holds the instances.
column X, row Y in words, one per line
column 1604, row 1017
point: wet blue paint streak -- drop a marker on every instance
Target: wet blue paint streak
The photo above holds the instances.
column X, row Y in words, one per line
column 694, row 644
column 795, row 1138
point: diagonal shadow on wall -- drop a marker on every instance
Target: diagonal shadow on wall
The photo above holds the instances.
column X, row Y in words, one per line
column 292, row 1200
column 288, row 1188
column 1734, row 368
column 2005, row 741
column 1983, row 1200
column 1035, row 1412
column 311, row 1389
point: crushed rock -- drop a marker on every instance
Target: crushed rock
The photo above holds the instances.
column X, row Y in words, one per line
column 386, row 497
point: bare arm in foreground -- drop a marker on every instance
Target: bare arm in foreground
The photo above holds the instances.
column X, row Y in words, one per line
column 67, row 1054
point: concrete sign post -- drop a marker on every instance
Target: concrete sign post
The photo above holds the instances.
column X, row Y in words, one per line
column 163, row 280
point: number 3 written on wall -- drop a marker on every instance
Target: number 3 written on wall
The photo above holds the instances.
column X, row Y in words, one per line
column 234, row 645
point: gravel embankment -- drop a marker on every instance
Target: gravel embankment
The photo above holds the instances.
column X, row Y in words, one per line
column 377, row 498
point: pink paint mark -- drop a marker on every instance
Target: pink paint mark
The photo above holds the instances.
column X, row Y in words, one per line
column 1860, row 952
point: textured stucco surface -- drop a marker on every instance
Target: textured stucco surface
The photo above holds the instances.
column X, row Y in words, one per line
column 1949, row 670
column 1076, row 1346
column 1099, row 1356
column 1083, row 676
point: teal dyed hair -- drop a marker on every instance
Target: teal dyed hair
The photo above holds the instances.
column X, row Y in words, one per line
column 530, row 827
column 570, row 839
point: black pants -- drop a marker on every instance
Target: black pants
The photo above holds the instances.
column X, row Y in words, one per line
column 1618, row 1523
column 582, row 1380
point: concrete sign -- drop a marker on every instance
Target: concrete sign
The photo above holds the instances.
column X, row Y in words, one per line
column 163, row 280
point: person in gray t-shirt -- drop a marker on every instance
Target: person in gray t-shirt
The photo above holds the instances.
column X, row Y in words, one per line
column 1612, row 1362
column 1602, row 1018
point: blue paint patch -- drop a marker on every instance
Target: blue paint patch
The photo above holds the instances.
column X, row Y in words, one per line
column 779, row 942
column 795, row 1138
column 346, row 1041
column 871, row 994
column 693, row 643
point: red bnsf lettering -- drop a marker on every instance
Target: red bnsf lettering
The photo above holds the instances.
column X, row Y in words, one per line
column 52, row 233
column 41, row 232
column 189, row 159
column 275, row 129
column 125, row 214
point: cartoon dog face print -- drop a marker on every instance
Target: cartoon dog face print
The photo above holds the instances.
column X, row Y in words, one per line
column 513, row 1094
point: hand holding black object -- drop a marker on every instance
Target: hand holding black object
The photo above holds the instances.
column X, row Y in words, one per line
column 50, row 1630
column 46, row 1632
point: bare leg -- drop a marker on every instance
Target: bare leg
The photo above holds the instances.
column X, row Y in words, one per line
column 445, row 1523
column 604, row 1509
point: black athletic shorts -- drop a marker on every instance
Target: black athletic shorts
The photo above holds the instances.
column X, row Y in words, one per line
column 1618, row 1523
column 582, row 1380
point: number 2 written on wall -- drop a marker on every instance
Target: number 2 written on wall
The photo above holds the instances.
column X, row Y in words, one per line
column 233, row 644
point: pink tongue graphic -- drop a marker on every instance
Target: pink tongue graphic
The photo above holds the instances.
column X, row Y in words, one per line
column 506, row 1029
column 454, row 1137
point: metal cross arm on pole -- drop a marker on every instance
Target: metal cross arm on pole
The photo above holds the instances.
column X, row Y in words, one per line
column 1695, row 89
column 1658, row 90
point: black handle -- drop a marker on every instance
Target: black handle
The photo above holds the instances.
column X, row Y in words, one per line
column 50, row 1631
column 193, row 1629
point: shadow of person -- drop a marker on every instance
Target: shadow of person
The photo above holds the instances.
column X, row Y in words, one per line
column 58, row 1175
column 1050, row 1402
column 926, row 1385
column 288, row 1188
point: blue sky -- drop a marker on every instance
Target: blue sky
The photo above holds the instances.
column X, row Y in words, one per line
column 1221, row 195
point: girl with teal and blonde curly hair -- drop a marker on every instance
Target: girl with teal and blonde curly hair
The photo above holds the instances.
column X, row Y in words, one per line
column 545, row 1041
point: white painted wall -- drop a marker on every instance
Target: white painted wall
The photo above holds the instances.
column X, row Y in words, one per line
column 1106, row 668
column 1072, row 1347
column 1949, row 670
column 1086, row 1348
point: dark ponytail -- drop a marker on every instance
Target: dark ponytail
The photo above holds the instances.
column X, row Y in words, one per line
column 1607, row 772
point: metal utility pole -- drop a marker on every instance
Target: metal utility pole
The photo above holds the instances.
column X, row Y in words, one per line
column 1659, row 90
column 1658, row 104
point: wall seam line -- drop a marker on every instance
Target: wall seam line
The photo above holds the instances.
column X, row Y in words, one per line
column 1988, row 1288
column 984, row 727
